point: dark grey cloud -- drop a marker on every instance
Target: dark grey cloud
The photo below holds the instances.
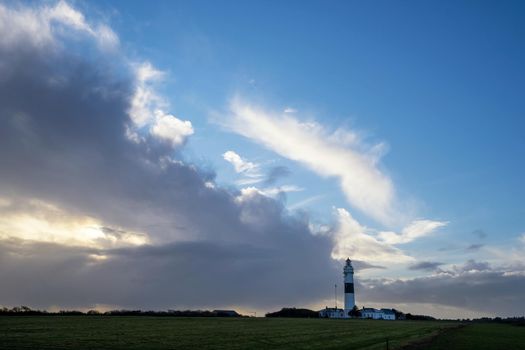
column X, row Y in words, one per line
column 425, row 265
column 275, row 174
column 63, row 118
column 474, row 286
column 474, row 247
column 473, row 265
column 176, row 275
column 480, row 233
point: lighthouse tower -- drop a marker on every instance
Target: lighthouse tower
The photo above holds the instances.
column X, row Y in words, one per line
column 348, row 272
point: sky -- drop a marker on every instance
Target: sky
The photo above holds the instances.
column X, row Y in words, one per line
column 203, row 154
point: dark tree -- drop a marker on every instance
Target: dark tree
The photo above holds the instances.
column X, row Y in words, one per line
column 293, row 312
column 355, row 312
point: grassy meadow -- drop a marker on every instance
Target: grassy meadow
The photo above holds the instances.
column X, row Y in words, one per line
column 481, row 336
column 103, row 332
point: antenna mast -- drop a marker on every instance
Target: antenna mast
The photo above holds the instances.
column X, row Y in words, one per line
column 335, row 295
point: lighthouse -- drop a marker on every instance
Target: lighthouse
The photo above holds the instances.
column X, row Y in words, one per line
column 348, row 272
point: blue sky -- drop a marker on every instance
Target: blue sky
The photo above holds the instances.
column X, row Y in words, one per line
column 394, row 131
column 438, row 82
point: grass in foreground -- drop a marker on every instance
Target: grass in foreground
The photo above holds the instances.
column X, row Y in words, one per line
column 97, row 332
column 482, row 336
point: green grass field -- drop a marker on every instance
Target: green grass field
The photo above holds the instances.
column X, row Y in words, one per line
column 98, row 332
column 482, row 337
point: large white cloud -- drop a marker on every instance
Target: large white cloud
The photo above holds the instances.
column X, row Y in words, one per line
column 351, row 239
column 173, row 130
column 40, row 26
column 147, row 110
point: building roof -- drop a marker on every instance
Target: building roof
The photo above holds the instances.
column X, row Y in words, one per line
column 332, row 309
column 369, row 309
column 383, row 311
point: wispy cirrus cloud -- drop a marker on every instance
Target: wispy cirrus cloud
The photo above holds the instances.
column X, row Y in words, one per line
column 343, row 155
column 416, row 229
column 239, row 164
column 251, row 172
column 336, row 154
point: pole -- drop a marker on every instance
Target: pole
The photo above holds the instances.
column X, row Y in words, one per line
column 335, row 295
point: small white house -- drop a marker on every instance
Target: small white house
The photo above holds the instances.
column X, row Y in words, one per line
column 331, row 312
column 383, row 314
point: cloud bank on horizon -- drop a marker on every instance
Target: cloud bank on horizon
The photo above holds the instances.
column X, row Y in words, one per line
column 98, row 207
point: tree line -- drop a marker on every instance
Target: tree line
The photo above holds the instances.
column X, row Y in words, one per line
column 27, row 311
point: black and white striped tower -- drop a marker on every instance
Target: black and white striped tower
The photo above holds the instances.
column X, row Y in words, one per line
column 348, row 272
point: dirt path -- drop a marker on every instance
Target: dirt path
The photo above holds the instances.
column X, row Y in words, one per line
column 425, row 342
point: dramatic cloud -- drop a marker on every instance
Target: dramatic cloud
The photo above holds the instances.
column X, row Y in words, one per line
column 338, row 154
column 96, row 207
column 175, row 275
column 35, row 220
column 416, row 229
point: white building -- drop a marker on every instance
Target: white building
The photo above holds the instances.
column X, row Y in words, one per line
column 383, row 314
column 332, row 312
